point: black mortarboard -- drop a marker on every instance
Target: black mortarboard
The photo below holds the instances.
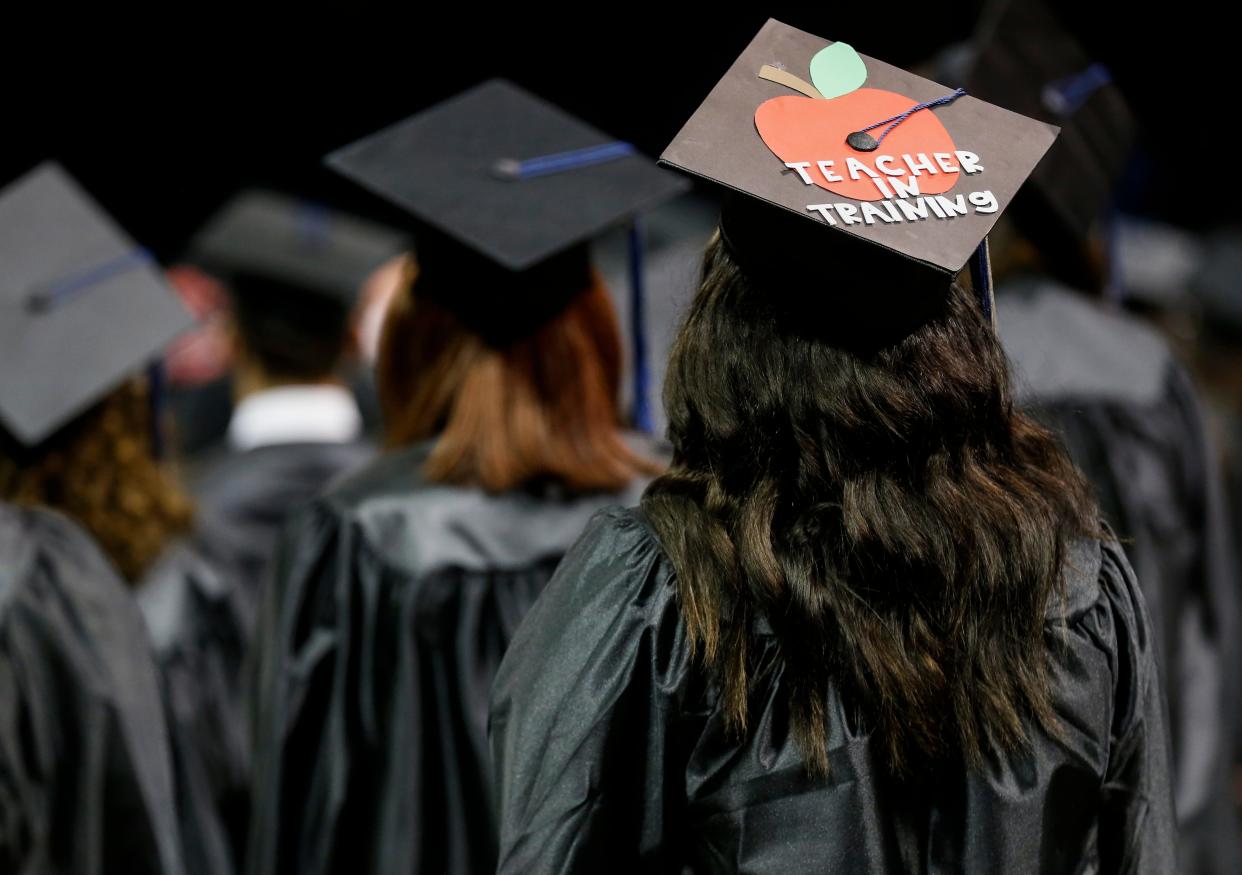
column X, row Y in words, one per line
column 82, row 307
column 864, row 151
column 506, row 190
column 297, row 243
column 512, row 177
column 1027, row 61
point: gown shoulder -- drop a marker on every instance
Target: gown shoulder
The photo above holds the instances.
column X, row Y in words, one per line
column 80, row 711
column 391, row 604
column 611, row 752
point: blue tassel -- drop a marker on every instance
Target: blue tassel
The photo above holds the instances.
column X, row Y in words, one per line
column 981, row 278
column 156, row 393
column 60, row 291
column 638, row 330
column 560, row 162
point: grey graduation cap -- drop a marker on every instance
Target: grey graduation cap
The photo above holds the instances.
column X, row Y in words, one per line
column 506, row 173
column 305, row 245
column 82, row 307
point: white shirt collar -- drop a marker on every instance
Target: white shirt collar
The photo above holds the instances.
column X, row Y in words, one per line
column 295, row 415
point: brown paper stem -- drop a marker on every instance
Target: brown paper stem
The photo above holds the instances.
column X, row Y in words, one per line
column 789, row 80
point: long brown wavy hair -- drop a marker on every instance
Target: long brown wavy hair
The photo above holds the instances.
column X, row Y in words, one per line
column 100, row 471
column 541, row 406
column 898, row 523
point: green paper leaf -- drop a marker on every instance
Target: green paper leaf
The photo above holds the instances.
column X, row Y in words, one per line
column 837, row 70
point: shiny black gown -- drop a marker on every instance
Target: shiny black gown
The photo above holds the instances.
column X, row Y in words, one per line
column 245, row 498
column 86, row 774
column 1131, row 420
column 611, row 753
column 393, row 603
column 201, row 601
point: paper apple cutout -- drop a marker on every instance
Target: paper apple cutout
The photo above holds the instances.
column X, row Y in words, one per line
column 814, row 129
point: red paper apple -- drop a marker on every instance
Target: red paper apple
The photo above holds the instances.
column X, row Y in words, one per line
column 814, row 129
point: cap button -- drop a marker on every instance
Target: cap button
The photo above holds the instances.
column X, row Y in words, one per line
column 862, row 141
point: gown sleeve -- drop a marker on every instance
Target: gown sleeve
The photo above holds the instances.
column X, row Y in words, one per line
column 584, row 740
column 1137, row 829
column 86, row 779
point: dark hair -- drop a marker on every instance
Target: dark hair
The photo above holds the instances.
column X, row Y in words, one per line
column 294, row 334
column 539, row 407
column 100, row 471
column 896, row 521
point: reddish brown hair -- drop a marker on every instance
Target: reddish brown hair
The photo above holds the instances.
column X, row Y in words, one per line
column 543, row 407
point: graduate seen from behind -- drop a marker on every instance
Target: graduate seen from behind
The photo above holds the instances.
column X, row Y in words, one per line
column 868, row 621
column 293, row 271
column 396, row 593
column 1128, row 411
column 76, row 433
column 87, row 779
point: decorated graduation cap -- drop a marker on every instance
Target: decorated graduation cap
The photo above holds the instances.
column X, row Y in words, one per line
column 506, row 191
column 1028, row 61
column 82, row 307
column 866, row 186
column 269, row 236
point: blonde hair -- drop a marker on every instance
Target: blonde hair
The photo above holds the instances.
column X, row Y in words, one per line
column 100, row 471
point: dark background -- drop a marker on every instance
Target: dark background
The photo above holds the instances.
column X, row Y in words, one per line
column 163, row 117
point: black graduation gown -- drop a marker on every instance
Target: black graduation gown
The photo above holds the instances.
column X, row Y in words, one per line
column 392, row 605
column 200, row 602
column 611, row 753
column 245, row 498
column 86, row 776
column 1131, row 421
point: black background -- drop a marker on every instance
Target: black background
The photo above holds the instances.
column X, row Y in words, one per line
column 163, row 117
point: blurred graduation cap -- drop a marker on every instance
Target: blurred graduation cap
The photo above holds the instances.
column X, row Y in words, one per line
column 1028, row 61
column 866, row 189
column 82, row 307
column 294, row 271
column 506, row 191
column 269, row 236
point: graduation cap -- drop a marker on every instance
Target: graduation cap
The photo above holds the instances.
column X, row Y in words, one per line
column 82, row 307
column 304, row 245
column 294, row 271
column 506, row 191
column 1027, row 61
column 862, row 184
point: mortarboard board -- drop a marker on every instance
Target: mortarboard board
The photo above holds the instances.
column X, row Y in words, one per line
column 82, row 307
column 507, row 174
column 878, row 181
column 1027, row 61
column 297, row 243
column 506, row 190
